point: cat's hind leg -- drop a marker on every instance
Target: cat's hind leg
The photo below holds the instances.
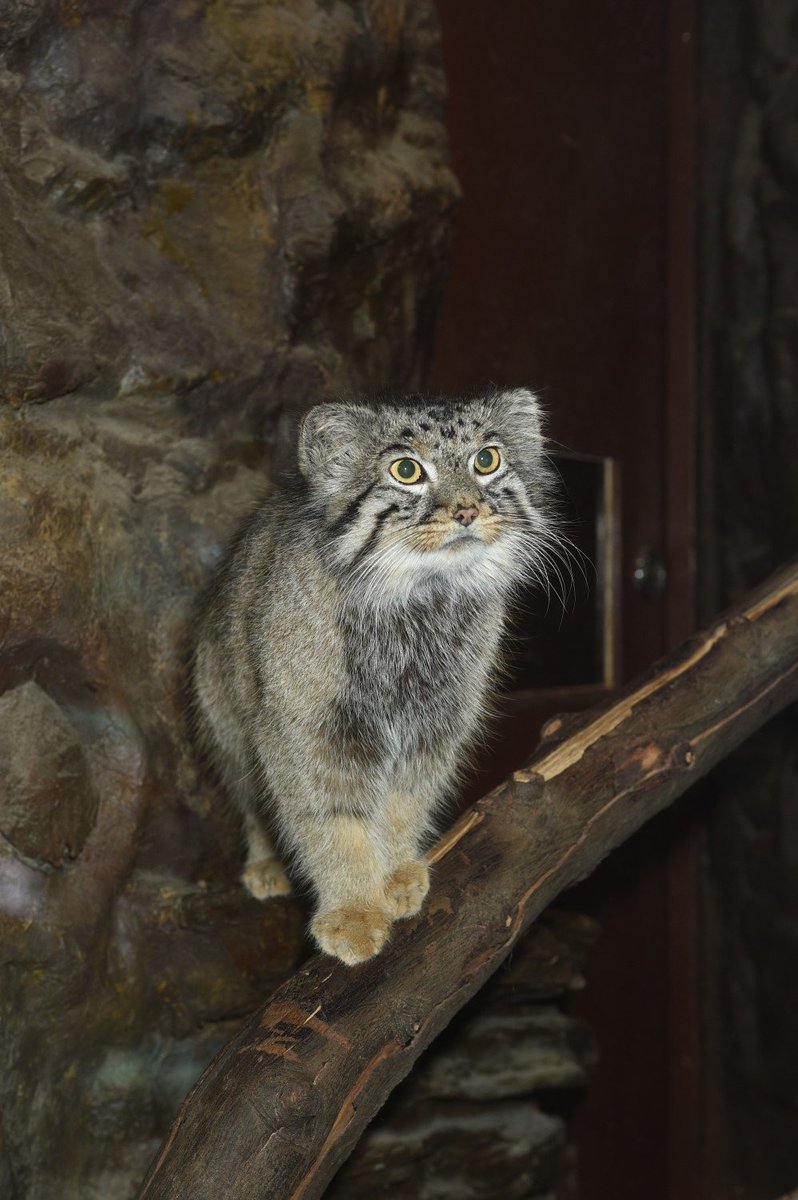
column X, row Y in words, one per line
column 221, row 731
column 263, row 874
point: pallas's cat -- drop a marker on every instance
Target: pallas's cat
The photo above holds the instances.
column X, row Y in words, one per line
column 350, row 640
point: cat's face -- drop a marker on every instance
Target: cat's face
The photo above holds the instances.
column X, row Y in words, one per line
column 418, row 490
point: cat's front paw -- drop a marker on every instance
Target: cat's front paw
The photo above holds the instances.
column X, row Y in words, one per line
column 407, row 887
column 266, row 878
column 352, row 934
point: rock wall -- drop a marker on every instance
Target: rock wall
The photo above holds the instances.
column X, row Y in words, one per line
column 749, row 341
column 213, row 213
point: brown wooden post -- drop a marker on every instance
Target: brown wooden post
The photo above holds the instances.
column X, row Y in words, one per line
column 283, row 1104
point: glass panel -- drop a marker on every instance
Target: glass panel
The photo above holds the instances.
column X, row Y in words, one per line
column 568, row 638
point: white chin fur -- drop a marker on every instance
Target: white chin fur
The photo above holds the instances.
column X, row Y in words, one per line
column 467, row 565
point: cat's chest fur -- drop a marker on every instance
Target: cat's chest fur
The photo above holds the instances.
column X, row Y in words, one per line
column 415, row 672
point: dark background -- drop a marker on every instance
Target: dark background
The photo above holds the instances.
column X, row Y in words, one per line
column 628, row 244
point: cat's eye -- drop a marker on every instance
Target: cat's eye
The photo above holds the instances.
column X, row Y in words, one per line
column 407, row 470
column 487, row 461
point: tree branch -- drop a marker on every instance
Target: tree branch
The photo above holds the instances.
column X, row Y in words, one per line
column 282, row 1106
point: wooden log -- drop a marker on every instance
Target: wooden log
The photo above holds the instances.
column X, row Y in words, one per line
column 451, row 1128
column 283, row 1104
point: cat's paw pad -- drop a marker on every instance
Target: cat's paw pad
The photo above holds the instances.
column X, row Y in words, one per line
column 407, row 887
column 266, row 878
column 352, row 934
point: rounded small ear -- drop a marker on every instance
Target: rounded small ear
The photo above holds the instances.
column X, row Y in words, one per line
column 326, row 437
column 524, row 411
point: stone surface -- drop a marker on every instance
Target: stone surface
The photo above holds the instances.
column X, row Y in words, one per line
column 505, row 1055
column 212, row 214
column 507, row 1150
column 749, row 332
column 48, row 804
column 209, row 200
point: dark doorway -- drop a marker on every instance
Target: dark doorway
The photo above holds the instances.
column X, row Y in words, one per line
column 571, row 128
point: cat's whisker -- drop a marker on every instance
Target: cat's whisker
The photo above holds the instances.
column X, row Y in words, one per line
column 371, row 572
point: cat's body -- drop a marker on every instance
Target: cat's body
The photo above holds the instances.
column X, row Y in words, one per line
column 351, row 639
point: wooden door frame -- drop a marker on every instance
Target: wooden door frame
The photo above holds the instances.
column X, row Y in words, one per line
column 686, row 1140
column 673, row 619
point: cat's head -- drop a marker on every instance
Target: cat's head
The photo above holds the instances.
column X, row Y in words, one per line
column 421, row 489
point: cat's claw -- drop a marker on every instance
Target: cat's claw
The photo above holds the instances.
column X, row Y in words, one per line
column 266, row 878
column 407, row 887
column 352, row 934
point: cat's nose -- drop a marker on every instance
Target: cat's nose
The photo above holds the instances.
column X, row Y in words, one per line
column 465, row 514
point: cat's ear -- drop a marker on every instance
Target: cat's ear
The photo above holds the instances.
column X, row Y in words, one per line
column 329, row 436
column 521, row 409
column 517, row 413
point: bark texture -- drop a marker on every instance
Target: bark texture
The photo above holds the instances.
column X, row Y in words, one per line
column 283, row 1104
column 212, row 214
column 473, row 1118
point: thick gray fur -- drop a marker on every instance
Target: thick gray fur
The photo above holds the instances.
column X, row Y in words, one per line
column 348, row 646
